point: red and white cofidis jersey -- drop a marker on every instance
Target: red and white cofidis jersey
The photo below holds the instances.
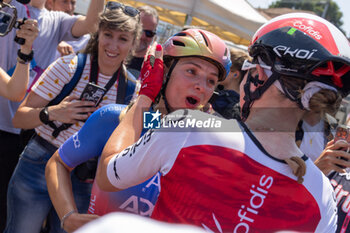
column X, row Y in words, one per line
column 216, row 175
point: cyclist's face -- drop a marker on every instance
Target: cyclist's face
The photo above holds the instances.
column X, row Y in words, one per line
column 192, row 83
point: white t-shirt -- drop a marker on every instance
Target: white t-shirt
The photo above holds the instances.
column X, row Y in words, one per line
column 313, row 142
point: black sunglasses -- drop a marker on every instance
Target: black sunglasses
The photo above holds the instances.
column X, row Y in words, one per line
column 149, row 33
column 129, row 10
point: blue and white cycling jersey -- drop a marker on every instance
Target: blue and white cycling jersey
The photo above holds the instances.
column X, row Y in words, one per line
column 88, row 143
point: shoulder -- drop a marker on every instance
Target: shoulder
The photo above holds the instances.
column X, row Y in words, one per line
column 66, row 63
column 21, row 10
column 110, row 111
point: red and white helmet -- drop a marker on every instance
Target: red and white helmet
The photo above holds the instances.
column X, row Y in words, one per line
column 304, row 46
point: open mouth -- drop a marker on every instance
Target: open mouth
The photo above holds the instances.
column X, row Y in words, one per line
column 192, row 102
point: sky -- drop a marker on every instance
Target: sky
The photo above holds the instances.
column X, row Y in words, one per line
column 344, row 6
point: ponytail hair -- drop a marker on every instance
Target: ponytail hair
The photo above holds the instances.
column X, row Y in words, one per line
column 325, row 101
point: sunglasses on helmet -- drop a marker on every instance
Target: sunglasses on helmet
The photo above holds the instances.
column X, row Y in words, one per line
column 247, row 65
column 149, row 33
column 129, row 10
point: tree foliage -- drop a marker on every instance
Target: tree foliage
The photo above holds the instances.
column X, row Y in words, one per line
column 333, row 14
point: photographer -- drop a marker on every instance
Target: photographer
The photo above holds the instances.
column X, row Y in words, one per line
column 14, row 87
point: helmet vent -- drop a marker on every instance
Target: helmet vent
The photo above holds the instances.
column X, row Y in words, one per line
column 180, row 34
column 178, row 43
column 205, row 39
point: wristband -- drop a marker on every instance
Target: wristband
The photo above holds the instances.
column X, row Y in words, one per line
column 44, row 116
column 25, row 57
column 19, row 60
column 66, row 216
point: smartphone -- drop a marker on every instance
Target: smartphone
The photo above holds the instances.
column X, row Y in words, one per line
column 93, row 92
column 342, row 133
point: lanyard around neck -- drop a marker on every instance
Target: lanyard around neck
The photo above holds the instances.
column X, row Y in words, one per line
column 94, row 70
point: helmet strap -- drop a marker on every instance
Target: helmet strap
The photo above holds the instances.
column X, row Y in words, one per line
column 167, row 77
column 250, row 97
column 291, row 94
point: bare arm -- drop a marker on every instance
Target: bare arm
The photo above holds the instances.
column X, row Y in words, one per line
column 127, row 133
column 88, row 24
column 14, row 88
column 27, row 115
column 59, row 185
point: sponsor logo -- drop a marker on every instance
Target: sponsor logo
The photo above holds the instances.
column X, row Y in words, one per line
column 342, row 196
column 132, row 205
column 111, row 108
column 92, row 204
column 308, row 29
column 248, row 212
column 131, row 150
column 282, row 50
column 76, row 140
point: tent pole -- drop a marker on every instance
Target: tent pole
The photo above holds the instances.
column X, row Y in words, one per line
column 188, row 20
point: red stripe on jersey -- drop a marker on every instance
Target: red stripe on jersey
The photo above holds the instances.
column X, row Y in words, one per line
column 218, row 187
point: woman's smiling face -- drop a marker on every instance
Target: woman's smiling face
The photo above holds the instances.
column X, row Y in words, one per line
column 192, row 83
column 113, row 47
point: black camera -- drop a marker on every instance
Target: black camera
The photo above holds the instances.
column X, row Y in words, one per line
column 9, row 21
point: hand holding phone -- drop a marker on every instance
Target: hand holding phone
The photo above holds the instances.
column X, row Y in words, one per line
column 93, row 92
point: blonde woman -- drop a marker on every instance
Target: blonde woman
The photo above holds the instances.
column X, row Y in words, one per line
column 117, row 35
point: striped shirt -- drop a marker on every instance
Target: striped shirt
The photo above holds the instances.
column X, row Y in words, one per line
column 51, row 82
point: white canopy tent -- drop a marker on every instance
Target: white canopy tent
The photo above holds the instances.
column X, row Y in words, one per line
column 233, row 20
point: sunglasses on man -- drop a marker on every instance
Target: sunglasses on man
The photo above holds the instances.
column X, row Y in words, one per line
column 149, row 33
column 129, row 10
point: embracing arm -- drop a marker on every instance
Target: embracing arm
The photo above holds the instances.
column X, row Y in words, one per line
column 130, row 128
column 128, row 132
column 88, row 24
column 59, row 185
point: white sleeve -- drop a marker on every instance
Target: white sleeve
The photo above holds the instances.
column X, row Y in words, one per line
column 155, row 151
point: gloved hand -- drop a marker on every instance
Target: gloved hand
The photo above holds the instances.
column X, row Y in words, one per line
column 152, row 72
